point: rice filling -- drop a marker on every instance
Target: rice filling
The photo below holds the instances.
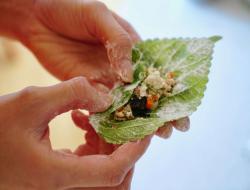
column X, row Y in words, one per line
column 146, row 96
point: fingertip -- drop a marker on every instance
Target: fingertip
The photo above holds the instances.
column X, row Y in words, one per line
column 165, row 131
column 76, row 116
column 81, row 120
column 101, row 103
column 182, row 124
column 86, row 96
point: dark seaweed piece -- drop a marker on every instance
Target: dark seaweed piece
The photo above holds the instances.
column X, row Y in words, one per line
column 138, row 106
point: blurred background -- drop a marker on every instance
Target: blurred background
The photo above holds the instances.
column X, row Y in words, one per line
column 215, row 152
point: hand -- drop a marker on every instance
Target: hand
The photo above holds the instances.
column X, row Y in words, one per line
column 95, row 145
column 26, row 157
column 81, row 38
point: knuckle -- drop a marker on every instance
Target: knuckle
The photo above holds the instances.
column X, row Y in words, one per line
column 28, row 93
column 77, row 86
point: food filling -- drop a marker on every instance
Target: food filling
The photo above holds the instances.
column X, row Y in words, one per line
column 146, row 96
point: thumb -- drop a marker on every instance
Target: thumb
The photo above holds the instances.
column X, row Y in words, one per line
column 76, row 93
column 102, row 24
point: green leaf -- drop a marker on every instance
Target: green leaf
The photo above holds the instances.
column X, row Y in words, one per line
column 182, row 104
column 121, row 132
column 189, row 59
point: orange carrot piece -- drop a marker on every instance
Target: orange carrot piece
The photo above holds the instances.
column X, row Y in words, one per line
column 171, row 75
column 150, row 103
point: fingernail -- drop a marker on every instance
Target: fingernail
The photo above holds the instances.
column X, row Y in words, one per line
column 125, row 71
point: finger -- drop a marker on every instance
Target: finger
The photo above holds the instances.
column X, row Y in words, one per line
column 91, row 138
column 182, row 124
column 104, row 26
column 86, row 149
column 165, row 131
column 100, row 170
column 72, row 94
column 81, row 120
column 105, row 148
column 128, row 27
column 92, row 147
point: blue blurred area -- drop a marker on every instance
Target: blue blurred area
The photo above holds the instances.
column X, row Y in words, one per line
column 215, row 153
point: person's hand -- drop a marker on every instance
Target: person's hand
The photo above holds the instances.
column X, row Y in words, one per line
column 26, row 156
column 95, row 145
column 80, row 38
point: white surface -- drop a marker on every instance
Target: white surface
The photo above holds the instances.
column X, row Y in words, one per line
column 215, row 153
